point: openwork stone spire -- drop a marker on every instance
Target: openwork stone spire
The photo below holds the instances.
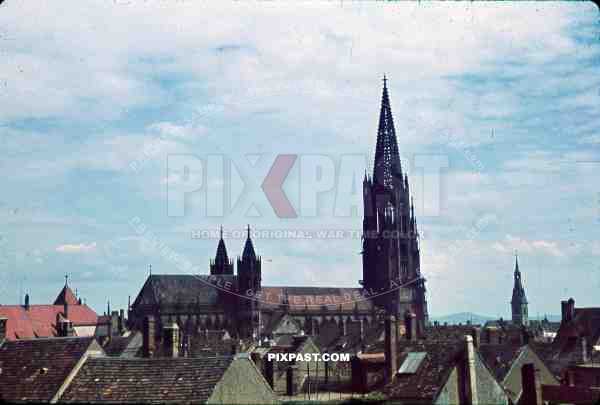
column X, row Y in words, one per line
column 387, row 169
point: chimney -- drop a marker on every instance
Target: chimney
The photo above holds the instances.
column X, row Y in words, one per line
column 121, row 321
column 471, row 374
column 359, row 383
column 410, row 323
column 65, row 328
column 584, row 351
column 391, row 362
column 289, row 380
column 66, row 309
column 524, row 335
column 171, row 340
column 531, row 385
column 114, row 323
column 3, row 324
column 476, row 334
column 26, row 302
column 149, row 338
column 492, row 334
column 362, row 331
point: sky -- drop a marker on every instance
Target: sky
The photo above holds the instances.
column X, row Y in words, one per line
column 87, row 87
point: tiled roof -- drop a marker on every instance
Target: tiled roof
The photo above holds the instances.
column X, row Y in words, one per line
column 183, row 289
column 558, row 357
column 66, row 296
column 431, row 374
column 586, row 322
column 292, row 345
column 123, row 345
column 312, row 299
column 186, row 289
column 40, row 320
column 500, row 357
column 34, row 370
column 211, row 343
column 164, row 380
column 565, row 394
column 448, row 332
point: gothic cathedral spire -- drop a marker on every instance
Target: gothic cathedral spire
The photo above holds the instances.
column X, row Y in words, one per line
column 387, row 166
column 391, row 256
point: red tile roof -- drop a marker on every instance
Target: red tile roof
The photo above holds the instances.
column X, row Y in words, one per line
column 40, row 320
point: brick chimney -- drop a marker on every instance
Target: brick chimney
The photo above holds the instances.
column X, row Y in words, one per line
column 171, row 340
column 149, row 337
column 121, row 321
column 114, row 323
column 410, row 323
column 65, row 328
column 289, row 380
column 3, row 324
column 476, row 334
column 471, row 373
column 492, row 335
column 531, row 385
column 524, row 336
column 584, row 350
column 391, row 361
column 26, row 306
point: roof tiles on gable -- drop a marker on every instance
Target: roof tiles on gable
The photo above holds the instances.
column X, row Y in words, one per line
column 164, row 380
column 500, row 357
column 431, row 374
column 67, row 296
column 34, row 370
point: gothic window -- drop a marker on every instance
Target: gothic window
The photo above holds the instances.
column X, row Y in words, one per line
column 404, row 269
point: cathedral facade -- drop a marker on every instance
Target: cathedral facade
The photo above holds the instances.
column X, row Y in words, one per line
column 391, row 278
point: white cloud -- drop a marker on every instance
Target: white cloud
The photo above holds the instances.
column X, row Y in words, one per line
column 77, row 248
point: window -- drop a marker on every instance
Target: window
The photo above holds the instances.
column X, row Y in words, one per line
column 411, row 364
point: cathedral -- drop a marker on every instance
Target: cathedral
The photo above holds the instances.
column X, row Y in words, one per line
column 391, row 283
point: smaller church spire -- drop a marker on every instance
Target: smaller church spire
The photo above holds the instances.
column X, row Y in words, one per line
column 519, row 299
column 221, row 255
column 248, row 252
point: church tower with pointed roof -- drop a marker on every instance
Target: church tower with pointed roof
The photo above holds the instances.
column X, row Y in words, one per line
column 221, row 265
column 249, row 284
column 391, row 257
column 66, row 295
column 518, row 303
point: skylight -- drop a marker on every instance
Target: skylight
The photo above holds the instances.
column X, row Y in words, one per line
column 412, row 362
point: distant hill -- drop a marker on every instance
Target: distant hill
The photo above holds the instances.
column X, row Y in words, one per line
column 463, row 317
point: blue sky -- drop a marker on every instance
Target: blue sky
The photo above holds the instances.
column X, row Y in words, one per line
column 85, row 89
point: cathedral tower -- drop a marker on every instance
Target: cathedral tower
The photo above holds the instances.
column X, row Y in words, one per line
column 518, row 303
column 391, row 257
column 221, row 265
column 249, row 284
